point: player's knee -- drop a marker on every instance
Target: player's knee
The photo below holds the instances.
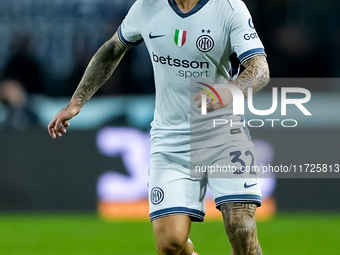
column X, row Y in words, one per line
column 171, row 234
column 244, row 240
column 244, row 235
column 171, row 244
column 242, row 231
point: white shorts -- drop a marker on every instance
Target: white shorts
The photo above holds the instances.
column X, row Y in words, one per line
column 175, row 189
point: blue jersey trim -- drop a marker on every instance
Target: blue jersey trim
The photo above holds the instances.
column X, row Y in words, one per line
column 238, row 198
column 251, row 53
column 195, row 215
column 126, row 42
column 197, row 7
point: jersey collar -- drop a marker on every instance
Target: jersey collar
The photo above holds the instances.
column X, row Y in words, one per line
column 197, row 7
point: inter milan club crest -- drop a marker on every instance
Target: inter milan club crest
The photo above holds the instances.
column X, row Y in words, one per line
column 180, row 37
column 205, row 43
column 156, row 195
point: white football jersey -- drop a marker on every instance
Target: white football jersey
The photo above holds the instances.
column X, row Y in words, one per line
column 198, row 45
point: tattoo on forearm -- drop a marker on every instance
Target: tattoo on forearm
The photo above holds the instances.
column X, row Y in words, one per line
column 240, row 225
column 100, row 68
column 256, row 75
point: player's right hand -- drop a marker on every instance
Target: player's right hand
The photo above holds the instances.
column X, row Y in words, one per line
column 59, row 123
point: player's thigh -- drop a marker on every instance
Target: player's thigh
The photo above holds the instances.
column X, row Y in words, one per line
column 172, row 191
column 236, row 181
column 171, row 231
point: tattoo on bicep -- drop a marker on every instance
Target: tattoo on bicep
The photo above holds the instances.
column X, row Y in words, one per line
column 240, row 225
column 100, row 68
column 256, row 75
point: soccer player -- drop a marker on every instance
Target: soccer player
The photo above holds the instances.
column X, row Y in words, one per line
column 189, row 39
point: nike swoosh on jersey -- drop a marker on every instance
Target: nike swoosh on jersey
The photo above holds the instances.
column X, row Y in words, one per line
column 246, row 186
column 155, row 36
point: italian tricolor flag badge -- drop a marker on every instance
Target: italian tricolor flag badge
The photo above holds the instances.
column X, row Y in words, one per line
column 180, row 37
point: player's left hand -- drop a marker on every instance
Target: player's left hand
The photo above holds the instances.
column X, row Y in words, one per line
column 225, row 95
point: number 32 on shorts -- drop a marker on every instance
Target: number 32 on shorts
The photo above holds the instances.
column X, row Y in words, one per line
column 237, row 158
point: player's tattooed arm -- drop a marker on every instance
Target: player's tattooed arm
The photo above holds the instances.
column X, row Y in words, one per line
column 240, row 225
column 99, row 70
column 256, row 75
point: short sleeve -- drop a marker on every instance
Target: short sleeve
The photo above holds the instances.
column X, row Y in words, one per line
column 129, row 31
column 244, row 39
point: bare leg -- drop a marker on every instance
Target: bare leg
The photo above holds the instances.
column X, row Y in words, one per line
column 240, row 225
column 172, row 233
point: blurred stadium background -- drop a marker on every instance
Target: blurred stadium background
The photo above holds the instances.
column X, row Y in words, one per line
column 87, row 192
